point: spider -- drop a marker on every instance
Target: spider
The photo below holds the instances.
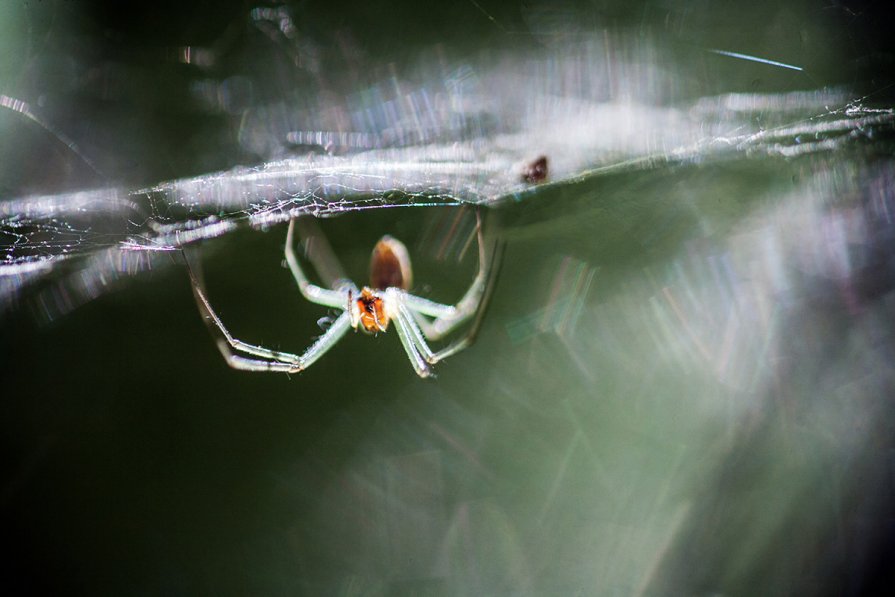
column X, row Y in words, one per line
column 370, row 309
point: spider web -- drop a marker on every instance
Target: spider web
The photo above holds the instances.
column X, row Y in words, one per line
column 466, row 137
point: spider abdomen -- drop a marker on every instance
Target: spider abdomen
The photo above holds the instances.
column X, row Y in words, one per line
column 390, row 265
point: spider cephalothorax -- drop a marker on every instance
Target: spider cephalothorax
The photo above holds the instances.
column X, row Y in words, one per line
column 370, row 309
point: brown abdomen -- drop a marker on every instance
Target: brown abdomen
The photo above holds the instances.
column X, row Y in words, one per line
column 390, row 265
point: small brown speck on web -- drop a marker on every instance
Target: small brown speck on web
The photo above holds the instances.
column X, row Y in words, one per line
column 536, row 171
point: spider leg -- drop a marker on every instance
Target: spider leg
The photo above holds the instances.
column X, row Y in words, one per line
column 324, row 343
column 244, row 364
column 210, row 316
column 319, row 252
column 448, row 317
column 286, row 362
column 312, row 292
column 407, row 325
column 410, row 335
column 482, row 306
column 416, row 359
column 404, row 318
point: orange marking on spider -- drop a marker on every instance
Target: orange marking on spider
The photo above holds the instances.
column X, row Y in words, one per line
column 371, row 313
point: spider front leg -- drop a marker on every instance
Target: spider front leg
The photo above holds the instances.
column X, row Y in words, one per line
column 312, row 292
column 448, row 317
column 413, row 337
column 409, row 333
column 282, row 362
column 300, row 363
